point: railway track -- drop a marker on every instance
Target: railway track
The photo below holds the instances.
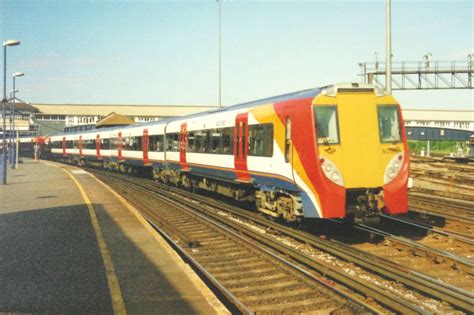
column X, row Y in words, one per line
column 453, row 255
column 294, row 244
column 252, row 278
column 443, row 207
column 452, row 242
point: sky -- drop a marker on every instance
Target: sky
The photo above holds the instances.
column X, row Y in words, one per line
column 166, row 52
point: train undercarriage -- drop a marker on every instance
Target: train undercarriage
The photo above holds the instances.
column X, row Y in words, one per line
column 275, row 203
column 362, row 205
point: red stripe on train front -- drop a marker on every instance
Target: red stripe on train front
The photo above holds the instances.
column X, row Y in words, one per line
column 331, row 196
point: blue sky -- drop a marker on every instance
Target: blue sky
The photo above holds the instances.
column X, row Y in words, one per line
column 166, row 52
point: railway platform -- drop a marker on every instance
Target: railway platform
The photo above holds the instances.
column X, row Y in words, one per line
column 69, row 244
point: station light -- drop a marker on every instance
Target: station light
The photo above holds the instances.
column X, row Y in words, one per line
column 3, row 175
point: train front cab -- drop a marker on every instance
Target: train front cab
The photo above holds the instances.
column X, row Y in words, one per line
column 362, row 150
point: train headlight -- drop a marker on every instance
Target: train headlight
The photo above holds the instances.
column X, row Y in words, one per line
column 327, row 168
column 331, row 172
column 393, row 168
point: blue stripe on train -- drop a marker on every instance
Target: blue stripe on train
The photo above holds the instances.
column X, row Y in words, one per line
column 308, row 207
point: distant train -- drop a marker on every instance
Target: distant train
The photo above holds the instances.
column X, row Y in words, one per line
column 338, row 151
column 470, row 153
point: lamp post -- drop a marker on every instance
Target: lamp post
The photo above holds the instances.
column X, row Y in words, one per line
column 220, row 52
column 3, row 172
column 11, row 93
column 388, row 74
column 12, row 119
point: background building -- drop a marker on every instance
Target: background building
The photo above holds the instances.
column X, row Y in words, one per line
column 49, row 119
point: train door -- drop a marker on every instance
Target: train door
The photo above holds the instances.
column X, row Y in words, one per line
column 287, row 115
column 64, row 146
column 80, row 147
column 241, row 147
column 97, row 146
column 145, row 147
column 119, row 146
column 183, row 140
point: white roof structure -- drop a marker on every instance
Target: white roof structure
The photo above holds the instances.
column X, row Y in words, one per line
column 438, row 114
column 453, row 119
column 128, row 110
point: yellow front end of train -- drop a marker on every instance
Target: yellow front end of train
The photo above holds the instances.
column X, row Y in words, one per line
column 362, row 146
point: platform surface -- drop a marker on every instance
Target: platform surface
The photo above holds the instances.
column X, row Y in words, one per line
column 52, row 260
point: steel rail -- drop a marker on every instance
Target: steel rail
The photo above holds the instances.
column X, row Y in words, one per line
column 461, row 260
column 439, row 212
column 430, row 229
column 442, row 201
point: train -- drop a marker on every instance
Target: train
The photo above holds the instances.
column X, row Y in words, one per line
column 338, row 151
column 470, row 153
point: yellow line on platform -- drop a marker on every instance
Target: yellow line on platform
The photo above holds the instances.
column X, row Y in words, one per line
column 114, row 287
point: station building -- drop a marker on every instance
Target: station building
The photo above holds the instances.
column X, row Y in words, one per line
column 50, row 119
column 454, row 125
column 439, row 118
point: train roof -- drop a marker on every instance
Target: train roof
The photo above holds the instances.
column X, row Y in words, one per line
column 308, row 93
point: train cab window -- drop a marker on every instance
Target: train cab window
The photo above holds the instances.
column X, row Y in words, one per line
column 389, row 123
column 326, row 120
column 260, row 140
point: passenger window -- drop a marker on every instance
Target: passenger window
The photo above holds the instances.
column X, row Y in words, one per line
column 190, row 144
column 152, row 142
column 105, row 144
column 206, row 141
column 160, row 145
column 215, row 141
column 261, row 140
column 389, row 124
column 327, row 130
column 172, row 140
column 227, row 140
